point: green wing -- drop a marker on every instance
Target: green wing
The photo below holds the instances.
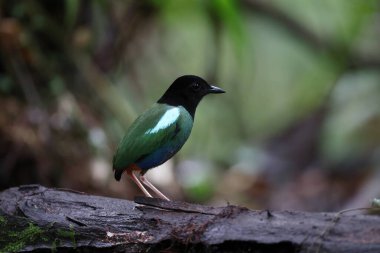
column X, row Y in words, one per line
column 145, row 136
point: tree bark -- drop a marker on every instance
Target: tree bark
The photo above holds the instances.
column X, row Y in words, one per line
column 35, row 218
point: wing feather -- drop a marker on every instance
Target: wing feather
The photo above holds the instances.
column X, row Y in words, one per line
column 146, row 135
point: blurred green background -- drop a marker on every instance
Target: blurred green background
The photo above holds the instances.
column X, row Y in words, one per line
column 299, row 126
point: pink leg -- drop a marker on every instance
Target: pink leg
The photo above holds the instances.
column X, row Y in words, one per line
column 151, row 186
column 134, row 178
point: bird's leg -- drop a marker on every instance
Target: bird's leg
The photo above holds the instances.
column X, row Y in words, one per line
column 134, row 178
column 151, row 186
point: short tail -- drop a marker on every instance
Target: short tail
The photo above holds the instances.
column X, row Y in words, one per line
column 118, row 173
column 132, row 167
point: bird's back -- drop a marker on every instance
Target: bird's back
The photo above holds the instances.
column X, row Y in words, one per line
column 153, row 138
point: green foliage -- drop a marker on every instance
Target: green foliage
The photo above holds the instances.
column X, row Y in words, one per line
column 201, row 192
column 349, row 130
column 71, row 12
column 231, row 17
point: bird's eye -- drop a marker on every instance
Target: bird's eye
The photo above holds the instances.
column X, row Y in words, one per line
column 195, row 86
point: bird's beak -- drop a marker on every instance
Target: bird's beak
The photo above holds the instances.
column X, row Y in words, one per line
column 214, row 89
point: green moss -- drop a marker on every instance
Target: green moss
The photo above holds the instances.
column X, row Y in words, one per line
column 20, row 238
column 68, row 234
column 12, row 240
column 64, row 234
column 3, row 221
column 55, row 245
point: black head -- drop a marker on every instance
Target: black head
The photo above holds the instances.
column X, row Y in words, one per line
column 188, row 91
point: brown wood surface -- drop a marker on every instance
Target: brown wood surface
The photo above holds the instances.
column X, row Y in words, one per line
column 35, row 218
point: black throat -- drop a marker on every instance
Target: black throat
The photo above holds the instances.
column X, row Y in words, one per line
column 189, row 103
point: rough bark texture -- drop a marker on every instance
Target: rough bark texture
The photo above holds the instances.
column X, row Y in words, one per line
column 35, row 218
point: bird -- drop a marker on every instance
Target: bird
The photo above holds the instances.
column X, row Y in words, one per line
column 161, row 131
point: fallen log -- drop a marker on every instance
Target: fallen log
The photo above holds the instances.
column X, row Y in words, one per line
column 35, row 218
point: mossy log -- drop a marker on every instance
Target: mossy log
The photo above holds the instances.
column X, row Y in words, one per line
column 35, row 218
